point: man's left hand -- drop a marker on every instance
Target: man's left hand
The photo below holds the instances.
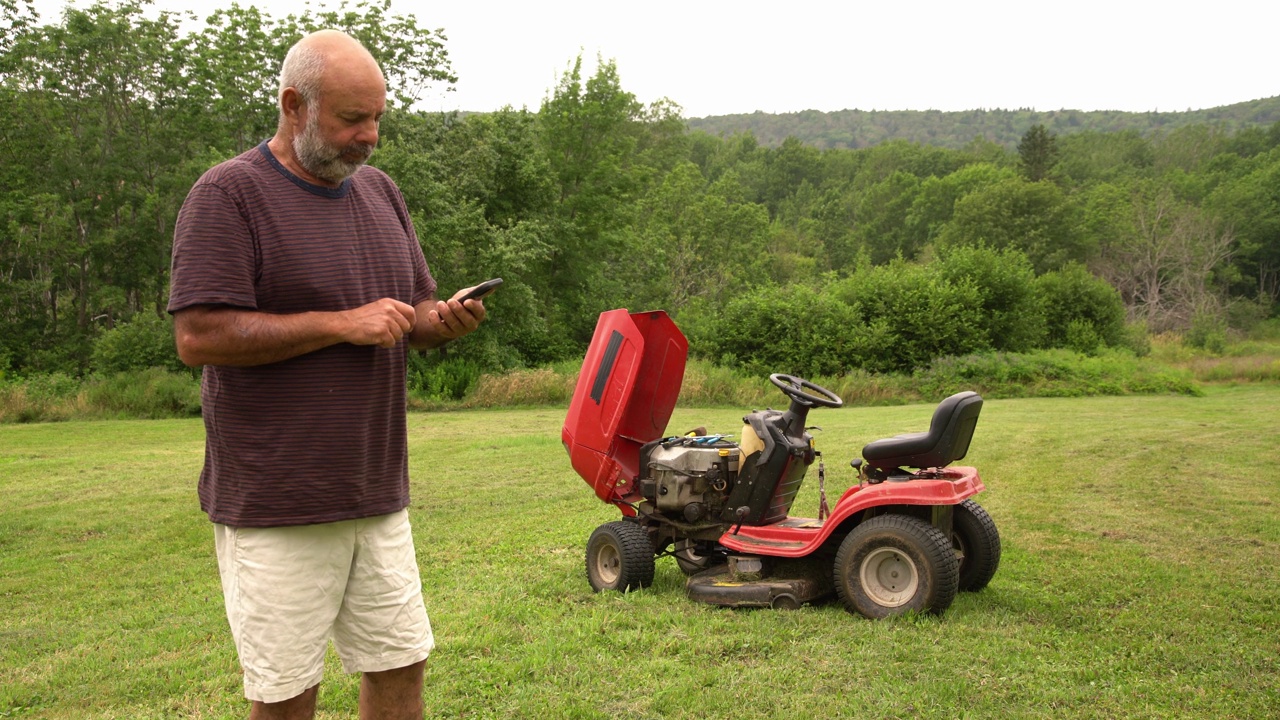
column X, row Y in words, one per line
column 440, row 321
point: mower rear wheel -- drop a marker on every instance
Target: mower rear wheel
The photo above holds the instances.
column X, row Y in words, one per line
column 977, row 545
column 895, row 564
column 619, row 557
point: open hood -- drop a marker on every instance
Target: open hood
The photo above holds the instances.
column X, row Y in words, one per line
column 626, row 391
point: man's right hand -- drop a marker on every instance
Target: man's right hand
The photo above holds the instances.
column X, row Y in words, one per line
column 382, row 322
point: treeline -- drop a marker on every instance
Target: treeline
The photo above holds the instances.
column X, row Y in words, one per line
column 881, row 258
column 957, row 130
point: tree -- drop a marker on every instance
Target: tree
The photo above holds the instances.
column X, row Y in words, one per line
column 590, row 133
column 1037, row 218
column 1250, row 206
column 696, row 242
column 1038, row 152
column 1164, row 265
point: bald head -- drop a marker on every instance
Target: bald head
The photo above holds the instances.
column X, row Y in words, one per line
column 327, row 58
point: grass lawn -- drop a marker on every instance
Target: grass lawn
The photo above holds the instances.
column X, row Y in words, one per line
column 1140, row 578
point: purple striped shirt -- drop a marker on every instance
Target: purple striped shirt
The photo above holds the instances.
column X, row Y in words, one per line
column 319, row 437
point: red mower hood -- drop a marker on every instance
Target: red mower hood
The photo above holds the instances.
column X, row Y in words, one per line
column 626, row 391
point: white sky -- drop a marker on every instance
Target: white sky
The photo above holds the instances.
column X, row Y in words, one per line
column 715, row 58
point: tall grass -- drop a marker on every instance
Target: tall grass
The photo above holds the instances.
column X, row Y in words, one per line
column 153, row 393
column 1171, row 367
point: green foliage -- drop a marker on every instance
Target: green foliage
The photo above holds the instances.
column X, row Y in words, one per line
column 596, row 201
column 1207, row 332
column 144, row 341
column 1081, row 311
column 441, row 379
column 1013, row 314
column 912, row 314
column 794, row 330
column 148, row 393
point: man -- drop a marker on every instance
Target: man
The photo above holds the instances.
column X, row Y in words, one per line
column 298, row 283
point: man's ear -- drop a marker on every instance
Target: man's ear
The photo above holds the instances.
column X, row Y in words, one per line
column 292, row 107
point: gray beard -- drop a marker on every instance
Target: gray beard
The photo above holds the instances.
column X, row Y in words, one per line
column 323, row 160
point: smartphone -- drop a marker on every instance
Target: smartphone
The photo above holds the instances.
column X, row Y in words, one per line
column 481, row 290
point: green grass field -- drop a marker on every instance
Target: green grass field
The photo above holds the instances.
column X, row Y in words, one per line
column 1140, row 578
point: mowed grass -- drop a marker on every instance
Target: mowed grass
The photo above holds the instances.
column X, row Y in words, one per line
column 1139, row 580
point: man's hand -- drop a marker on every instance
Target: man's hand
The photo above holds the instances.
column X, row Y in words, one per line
column 382, row 322
column 443, row 320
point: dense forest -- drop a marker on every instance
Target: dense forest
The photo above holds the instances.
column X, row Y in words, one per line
column 957, row 130
column 787, row 257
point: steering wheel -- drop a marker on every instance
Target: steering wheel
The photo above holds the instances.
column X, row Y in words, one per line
column 795, row 388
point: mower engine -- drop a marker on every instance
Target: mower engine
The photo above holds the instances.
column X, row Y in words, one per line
column 690, row 478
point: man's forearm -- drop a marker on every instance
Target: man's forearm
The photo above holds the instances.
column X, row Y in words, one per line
column 232, row 336
column 214, row 335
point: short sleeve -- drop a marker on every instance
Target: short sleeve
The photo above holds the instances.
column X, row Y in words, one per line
column 214, row 254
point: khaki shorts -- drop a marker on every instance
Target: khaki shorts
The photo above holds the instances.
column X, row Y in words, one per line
column 290, row 590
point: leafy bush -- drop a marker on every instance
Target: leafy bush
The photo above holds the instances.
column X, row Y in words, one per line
column 144, row 341
column 913, row 315
column 1246, row 315
column 1207, row 332
column 541, row 386
column 1074, row 299
column 40, row 398
column 1137, row 338
column 1012, row 315
column 433, row 378
column 795, row 330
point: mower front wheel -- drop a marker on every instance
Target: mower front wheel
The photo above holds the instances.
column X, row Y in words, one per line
column 619, row 557
column 894, row 564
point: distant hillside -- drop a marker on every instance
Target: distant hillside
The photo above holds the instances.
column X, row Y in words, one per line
column 863, row 128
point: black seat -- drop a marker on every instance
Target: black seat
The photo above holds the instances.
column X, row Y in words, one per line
column 947, row 440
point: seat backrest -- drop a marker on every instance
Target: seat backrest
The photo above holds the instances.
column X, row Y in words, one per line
column 948, row 438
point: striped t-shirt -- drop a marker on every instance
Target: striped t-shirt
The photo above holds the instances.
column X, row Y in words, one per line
column 319, row 437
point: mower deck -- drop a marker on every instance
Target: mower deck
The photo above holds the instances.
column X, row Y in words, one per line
column 777, row 583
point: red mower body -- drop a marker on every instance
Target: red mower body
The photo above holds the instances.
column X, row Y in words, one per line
column 898, row 540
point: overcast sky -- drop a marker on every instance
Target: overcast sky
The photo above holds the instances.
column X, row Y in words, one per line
column 717, row 58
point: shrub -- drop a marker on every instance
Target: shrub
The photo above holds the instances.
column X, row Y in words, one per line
column 40, row 398
column 433, row 378
column 542, row 386
column 1074, row 295
column 144, row 341
column 912, row 315
column 795, row 330
column 1012, row 311
column 1207, row 332
column 1137, row 338
column 1247, row 315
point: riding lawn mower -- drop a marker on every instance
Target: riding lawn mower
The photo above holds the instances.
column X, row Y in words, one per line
column 906, row 538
